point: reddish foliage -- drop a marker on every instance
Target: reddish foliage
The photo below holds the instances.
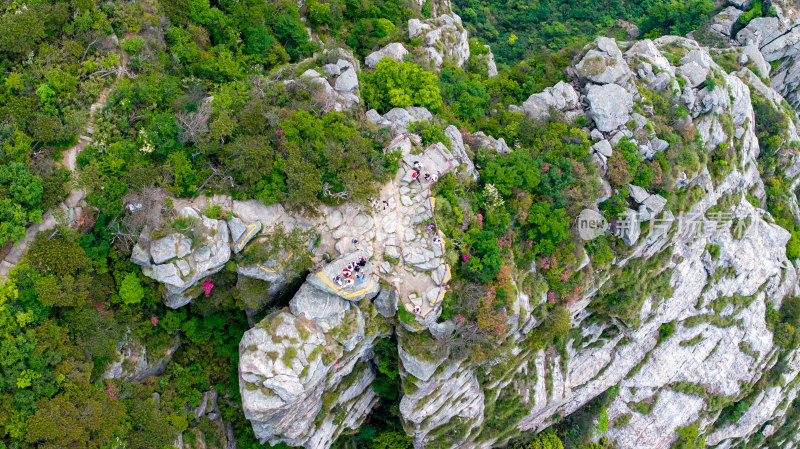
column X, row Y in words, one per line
column 207, row 287
column 112, row 392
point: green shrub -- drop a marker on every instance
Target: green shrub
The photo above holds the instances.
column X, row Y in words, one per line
column 665, row 331
column 288, row 354
column 58, row 255
column 644, row 407
column 689, row 438
column 431, row 132
column 692, row 341
column 545, row 440
column 675, row 17
column 131, row 291
column 391, row 440
column 622, row 420
column 133, row 45
column 398, row 85
column 20, row 196
column 632, row 285
column 626, row 166
column 710, row 84
column 770, row 127
column 745, row 18
column 713, row 249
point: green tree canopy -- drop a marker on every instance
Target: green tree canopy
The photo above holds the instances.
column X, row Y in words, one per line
column 549, row 227
column 20, row 195
column 398, row 85
column 131, row 291
column 81, row 419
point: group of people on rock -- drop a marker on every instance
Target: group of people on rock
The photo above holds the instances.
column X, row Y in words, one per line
column 427, row 176
column 352, row 273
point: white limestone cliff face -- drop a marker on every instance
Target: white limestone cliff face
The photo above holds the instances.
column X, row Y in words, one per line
column 306, row 372
column 719, row 346
column 778, row 40
column 722, row 357
column 767, row 42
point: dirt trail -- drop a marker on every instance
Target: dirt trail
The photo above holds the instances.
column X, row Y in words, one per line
column 75, row 198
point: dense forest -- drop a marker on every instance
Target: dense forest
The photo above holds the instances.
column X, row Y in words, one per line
column 520, row 30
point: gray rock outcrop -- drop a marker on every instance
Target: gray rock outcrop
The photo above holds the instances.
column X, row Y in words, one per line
column 603, row 63
column 722, row 23
column 303, row 376
column 609, row 106
column 181, row 263
column 395, row 50
column 398, row 119
column 306, row 372
column 481, row 140
column 335, row 85
column 561, row 98
column 459, row 150
column 777, row 40
column 443, row 38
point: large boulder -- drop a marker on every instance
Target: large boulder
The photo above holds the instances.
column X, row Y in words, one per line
column 637, row 193
column 627, row 228
column 252, row 211
column 647, row 51
column 335, row 85
column 603, row 147
column 453, row 395
column 270, row 374
column 743, row 5
column 141, row 256
column 722, row 23
column 304, row 375
column 347, row 81
column 386, row 302
column 242, row 233
column 754, row 55
column 324, row 279
column 609, row 106
column 169, row 247
column 693, row 73
column 651, row 207
column 787, row 44
column 395, row 50
column 491, row 66
column 759, row 31
column 326, row 309
column 398, row 119
column 418, row 361
column 132, row 363
column 480, row 140
column 604, row 64
column 560, row 98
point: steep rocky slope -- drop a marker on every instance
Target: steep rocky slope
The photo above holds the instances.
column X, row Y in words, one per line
column 773, row 43
column 697, row 338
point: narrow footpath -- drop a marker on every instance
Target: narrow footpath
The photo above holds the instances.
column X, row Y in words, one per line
column 74, row 202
